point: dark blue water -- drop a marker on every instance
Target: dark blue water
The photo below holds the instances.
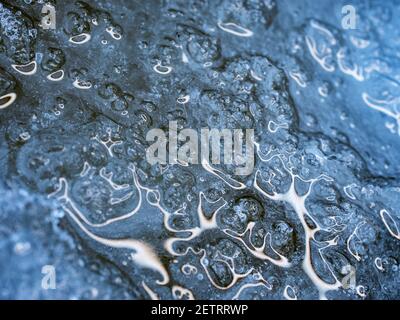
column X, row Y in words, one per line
column 83, row 215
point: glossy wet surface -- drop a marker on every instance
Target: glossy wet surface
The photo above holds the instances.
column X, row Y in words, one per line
column 319, row 217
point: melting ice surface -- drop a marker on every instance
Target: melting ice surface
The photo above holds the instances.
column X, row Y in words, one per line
column 319, row 218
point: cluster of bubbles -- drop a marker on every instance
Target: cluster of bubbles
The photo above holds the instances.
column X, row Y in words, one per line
column 77, row 134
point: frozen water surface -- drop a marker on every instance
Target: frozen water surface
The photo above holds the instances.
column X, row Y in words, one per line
column 319, row 217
